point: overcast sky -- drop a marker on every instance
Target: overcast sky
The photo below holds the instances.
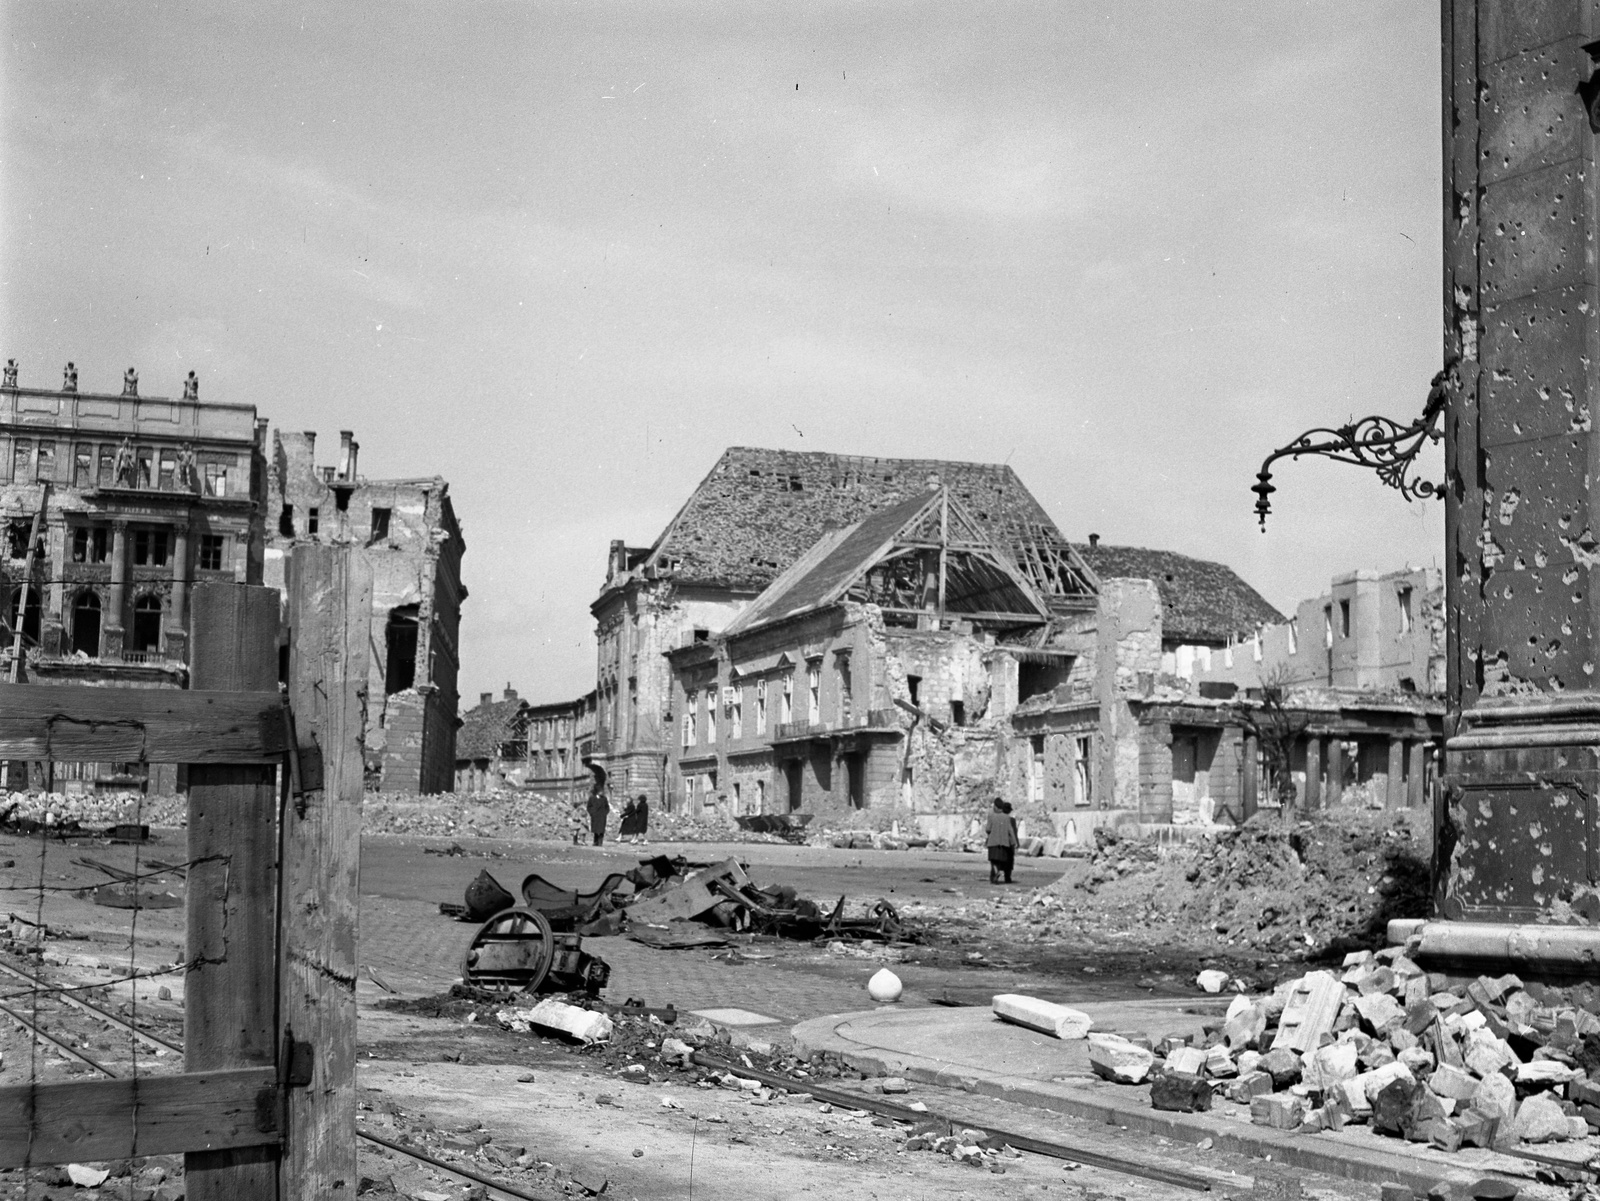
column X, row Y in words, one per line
column 564, row 255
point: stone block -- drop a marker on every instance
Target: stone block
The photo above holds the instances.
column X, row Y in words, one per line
column 1219, row 1063
column 1372, row 1082
column 1378, row 980
column 1283, row 1065
column 1454, row 1083
column 1117, row 1059
column 1477, row 1129
column 1248, row 1086
column 1180, row 1092
column 1391, row 1105
column 1389, row 1191
column 1444, row 1134
column 1541, row 1120
column 1584, row 1092
column 1544, row 1073
column 1487, row 1055
column 1378, row 1011
column 1244, row 1026
column 1497, row 1097
column 1281, row 1111
column 1407, row 969
column 1577, row 1126
column 1326, row 1066
column 1189, row 1061
column 1352, row 1094
column 1420, row 1061
column 1310, row 1010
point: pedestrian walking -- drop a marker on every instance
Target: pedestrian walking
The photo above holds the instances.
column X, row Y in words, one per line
column 627, row 827
column 641, row 818
column 1001, row 841
column 599, row 810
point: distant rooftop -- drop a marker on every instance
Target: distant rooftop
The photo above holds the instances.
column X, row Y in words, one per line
column 1202, row 602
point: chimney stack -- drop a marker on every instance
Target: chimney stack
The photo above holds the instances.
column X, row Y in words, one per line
column 485, row 698
column 1094, row 539
column 344, row 454
column 511, row 693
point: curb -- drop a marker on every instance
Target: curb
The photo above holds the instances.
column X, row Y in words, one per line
column 1416, row 1166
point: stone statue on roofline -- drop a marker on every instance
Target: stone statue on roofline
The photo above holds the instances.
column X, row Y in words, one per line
column 69, row 378
column 191, row 386
column 124, row 467
column 130, row 382
column 11, row 373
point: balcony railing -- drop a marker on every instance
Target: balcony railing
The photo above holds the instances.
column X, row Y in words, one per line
column 871, row 719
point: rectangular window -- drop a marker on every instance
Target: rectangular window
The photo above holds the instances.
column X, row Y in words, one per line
column 167, row 470
column 688, row 726
column 108, row 465
column 1294, row 636
column 22, row 460
column 311, row 520
column 841, row 667
column 1344, row 619
column 83, row 466
column 813, row 694
column 1327, row 625
column 80, row 544
column 761, row 708
column 150, row 548
column 145, row 458
column 210, row 552
column 380, row 524
column 1404, row 597
column 738, row 799
column 216, row 479
column 786, row 708
column 46, row 465
column 99, row 544
column 736, row 716
column 761, row 796
column 711, row 715
column 958, row 713
column 1082, row 770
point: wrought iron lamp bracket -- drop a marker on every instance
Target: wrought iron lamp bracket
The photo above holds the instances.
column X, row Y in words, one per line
column 1381, row 443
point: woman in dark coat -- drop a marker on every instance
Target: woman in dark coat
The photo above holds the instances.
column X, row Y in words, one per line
column 1001, row 841
column 629, row 825
column 599, row 810
column 641, row 816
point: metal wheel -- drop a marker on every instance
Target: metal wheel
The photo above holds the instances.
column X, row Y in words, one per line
column 513, row 949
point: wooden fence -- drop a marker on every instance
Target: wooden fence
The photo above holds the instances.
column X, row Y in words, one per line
column 265, row 1106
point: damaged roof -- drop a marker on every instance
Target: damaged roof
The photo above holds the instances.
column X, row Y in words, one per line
column 486, row 726
column 1202, row 602
column 758, row 511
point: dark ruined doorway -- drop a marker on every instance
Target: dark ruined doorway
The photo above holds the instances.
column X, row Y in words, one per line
column 400, row 642
column 86, row 624
column 793, row 778
column 855, row 767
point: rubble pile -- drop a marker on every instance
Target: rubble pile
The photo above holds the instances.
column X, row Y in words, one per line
column 1491, row 1063
column 90, row 810
column 1284, row 889
column 534, row 815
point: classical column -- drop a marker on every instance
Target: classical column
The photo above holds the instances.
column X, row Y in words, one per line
column 1395, row 795
column 1334, row 789
column 111, row 636
column 178, row 618
column 1522, row 328
column 1313, row 794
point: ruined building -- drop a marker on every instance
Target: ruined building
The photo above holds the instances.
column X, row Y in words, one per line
column 510, row 743
column 752, row 518
column 407, row 531
column 133, row 500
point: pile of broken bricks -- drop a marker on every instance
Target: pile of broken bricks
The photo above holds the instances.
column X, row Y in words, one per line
column 1490, row 1063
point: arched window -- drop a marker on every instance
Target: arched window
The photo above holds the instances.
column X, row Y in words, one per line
column 86, row 623
column 147, row 623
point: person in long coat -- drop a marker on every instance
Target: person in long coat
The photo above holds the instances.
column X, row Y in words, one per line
column 599, row 811
column 1002, row 842
column 641, row 817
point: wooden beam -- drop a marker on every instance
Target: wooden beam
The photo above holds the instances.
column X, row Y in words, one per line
column 330, row 618
column 143, row 725
column 229, row 997
column 79, row 1120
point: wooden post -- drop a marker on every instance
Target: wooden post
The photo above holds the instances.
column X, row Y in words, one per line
column 1250, row 799
column 229, row 992
column 1313, row 795
column 330, row 616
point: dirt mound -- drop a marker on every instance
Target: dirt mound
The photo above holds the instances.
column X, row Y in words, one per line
column 1286, row 889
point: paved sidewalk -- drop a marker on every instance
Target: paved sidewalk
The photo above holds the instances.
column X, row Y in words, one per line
column 971, row 1049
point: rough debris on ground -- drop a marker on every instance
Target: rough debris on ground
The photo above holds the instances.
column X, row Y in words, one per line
column 1490, row 1062
column 1286, row 889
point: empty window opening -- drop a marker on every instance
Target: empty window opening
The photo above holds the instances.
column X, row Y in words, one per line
column 380, row 524
column 150, row 548
column 400, row 639
column 1294, row 636
column 83, row 467
column 167, row 469
column 814, row 694
column 146, row 461
column 311, row 520
column 958, row 713
column 86, row 624
column 1344, row 619
column 794, row 780
column 21, row 459
column 286, row 521
column 31, row 617
column 147, row 624
column 701, row 634
column 107, row 470
column 761, row 709
column 1082, row 772
column 1035, row 679
column 856, row 777
column 914, row 687
column 1327, row 625
column 210, row 552
column 216, row 479
column 1404, row 597
column 46, row 464
column 711, row 714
